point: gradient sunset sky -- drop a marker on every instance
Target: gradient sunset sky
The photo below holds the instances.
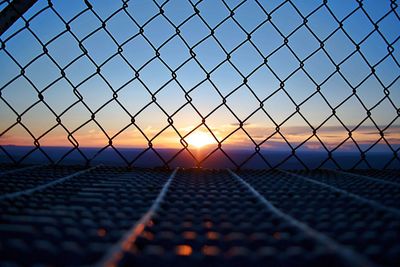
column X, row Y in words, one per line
column 242, row 99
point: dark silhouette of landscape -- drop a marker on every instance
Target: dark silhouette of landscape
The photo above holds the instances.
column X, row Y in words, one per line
column 149, row 159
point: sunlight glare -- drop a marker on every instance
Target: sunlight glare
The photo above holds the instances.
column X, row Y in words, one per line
column 200, row 139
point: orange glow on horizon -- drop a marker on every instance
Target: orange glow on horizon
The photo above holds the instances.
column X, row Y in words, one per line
column 201, row 138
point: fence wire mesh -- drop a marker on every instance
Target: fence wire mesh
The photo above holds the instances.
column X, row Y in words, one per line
column 251, row 75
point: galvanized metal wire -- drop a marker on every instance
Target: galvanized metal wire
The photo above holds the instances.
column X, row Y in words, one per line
column 227, row 54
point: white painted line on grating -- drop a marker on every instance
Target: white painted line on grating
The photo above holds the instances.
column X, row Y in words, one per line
column 115, row 253
column 365, row 177
column 370, row 202
column 21, row 169
column 349, row 255
column 44, row 186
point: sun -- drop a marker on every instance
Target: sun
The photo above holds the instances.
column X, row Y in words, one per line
column 200, row 139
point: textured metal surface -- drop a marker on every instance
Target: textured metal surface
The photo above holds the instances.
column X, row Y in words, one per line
column 75, row 222
column 363, row 227
column 209, row 218
column 387, row 175
column 386, row 194
column 20, row 181
column 196, row 218
column 6, row 168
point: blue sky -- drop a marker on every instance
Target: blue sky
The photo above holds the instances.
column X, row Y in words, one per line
column 138, row 51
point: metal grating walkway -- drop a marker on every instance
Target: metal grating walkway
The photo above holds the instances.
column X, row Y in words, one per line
column 69, row 216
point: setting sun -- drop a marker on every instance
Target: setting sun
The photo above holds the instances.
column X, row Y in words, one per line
column 200, row 139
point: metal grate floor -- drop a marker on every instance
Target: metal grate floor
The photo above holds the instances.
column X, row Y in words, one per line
column 69, row 216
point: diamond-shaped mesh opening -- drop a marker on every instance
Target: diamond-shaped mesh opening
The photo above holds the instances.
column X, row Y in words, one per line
column 243, row 84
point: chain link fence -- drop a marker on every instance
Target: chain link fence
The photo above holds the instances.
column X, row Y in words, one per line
column 252, row 83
